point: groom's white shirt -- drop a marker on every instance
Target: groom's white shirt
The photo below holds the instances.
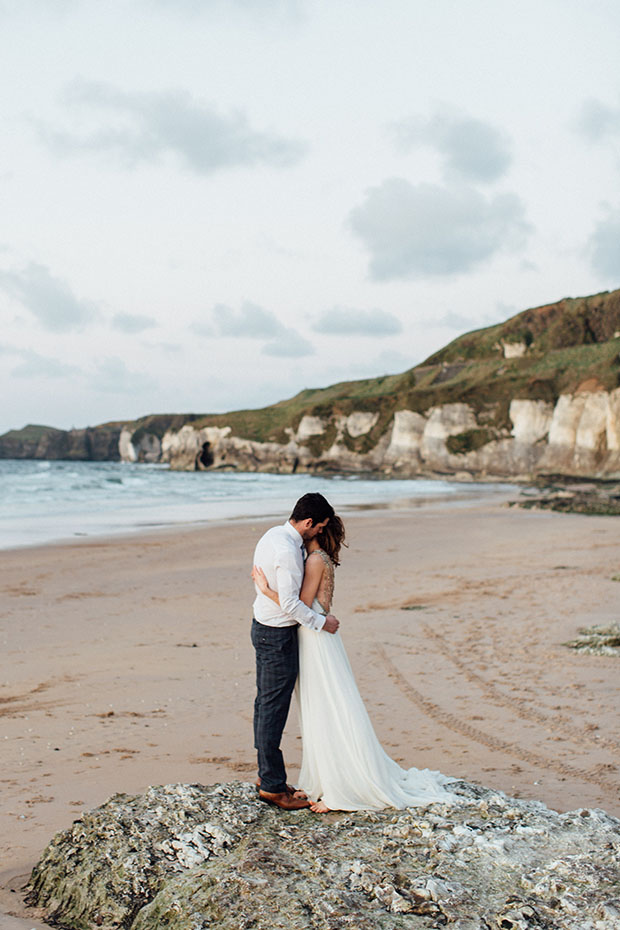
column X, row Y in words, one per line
column 280, row 554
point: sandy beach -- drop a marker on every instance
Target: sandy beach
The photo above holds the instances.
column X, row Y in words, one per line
column 128, row 662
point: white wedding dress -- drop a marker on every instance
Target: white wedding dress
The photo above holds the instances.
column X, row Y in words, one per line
column 343, row 762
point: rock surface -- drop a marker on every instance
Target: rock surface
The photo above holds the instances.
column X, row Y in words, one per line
column 188, row 857
column 598, row 640
column 596, row 499
column 95, row 444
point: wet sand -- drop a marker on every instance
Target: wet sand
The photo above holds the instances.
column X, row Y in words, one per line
column 127, row 662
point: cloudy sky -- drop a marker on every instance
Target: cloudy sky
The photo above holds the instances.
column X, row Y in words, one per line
column 212, row 204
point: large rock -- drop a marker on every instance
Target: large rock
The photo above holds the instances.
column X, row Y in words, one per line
column 360, row 422
column 93, row 444
column 442, row 423
column 310, row 426
column 133, row 447
column 186, row 857
column 531, row 420
column 214, row 447
column 584, row 435
column 405, row 438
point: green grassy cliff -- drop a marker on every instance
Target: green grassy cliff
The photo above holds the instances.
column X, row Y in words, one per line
column 566, row 345
column 538, row 354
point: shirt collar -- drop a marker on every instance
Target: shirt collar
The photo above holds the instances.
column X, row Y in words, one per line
column 297, row 537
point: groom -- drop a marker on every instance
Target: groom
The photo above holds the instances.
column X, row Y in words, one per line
column 280, row 554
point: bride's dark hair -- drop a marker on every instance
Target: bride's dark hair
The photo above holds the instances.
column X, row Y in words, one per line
column 331, row 538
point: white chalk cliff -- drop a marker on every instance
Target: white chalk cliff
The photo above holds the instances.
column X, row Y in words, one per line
column 578, row 435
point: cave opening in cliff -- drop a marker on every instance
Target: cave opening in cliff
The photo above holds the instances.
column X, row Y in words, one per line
column 204, row 459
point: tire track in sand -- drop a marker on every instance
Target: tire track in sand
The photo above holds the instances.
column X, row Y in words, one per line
column 15, row 705
column 457, row 725
column 518, row 705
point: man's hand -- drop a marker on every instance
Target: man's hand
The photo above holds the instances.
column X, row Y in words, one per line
column 331, row 624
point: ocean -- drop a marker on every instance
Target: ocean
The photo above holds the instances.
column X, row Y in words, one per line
column 43, row 502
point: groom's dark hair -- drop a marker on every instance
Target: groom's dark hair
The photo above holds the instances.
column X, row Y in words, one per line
column 312, row 506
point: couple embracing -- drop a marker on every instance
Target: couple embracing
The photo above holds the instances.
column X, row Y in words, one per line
column 298, row 647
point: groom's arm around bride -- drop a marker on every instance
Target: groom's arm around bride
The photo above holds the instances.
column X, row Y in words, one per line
column 280, row 554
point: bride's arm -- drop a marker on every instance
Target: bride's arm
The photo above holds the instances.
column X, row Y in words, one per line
column 260, row 580
column 312, row 579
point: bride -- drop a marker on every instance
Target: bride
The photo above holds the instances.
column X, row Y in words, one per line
column 343, row 765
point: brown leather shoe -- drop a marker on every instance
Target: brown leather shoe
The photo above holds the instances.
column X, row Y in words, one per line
column 294, row 792
column 284, row 800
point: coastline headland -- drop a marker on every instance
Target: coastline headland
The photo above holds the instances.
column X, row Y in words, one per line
column 536, row 395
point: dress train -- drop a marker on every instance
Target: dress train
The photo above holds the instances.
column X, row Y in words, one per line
column 343, row 762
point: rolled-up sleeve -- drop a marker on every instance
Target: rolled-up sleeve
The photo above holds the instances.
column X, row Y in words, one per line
column 289, row 577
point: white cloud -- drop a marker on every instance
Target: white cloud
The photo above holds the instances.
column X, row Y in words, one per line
column 29, row 8
column 257, row 8
column 472, row 149
column 604, row 246
column 598, row 121
column 464, row 323
column 253, row 322
column 143, row 127
column 249, row 322
column 452, row 320
column 111, row 376
column 503, row 311
column 48, row 298
column 34, row 365
column 424, row 230
column 289, row 344
column 388, row 362
column 392, row 362
column 350, row 321
column 167, row 348
column 132, row 322
column 202, row 329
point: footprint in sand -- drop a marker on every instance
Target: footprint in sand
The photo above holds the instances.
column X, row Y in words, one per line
column 243, row 766
column 209, row 760
column 124, row 753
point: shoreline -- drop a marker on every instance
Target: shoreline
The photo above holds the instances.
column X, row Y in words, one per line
column 128, row 660
column 269, row 509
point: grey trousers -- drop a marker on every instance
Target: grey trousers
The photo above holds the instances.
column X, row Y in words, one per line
column 277, row 664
